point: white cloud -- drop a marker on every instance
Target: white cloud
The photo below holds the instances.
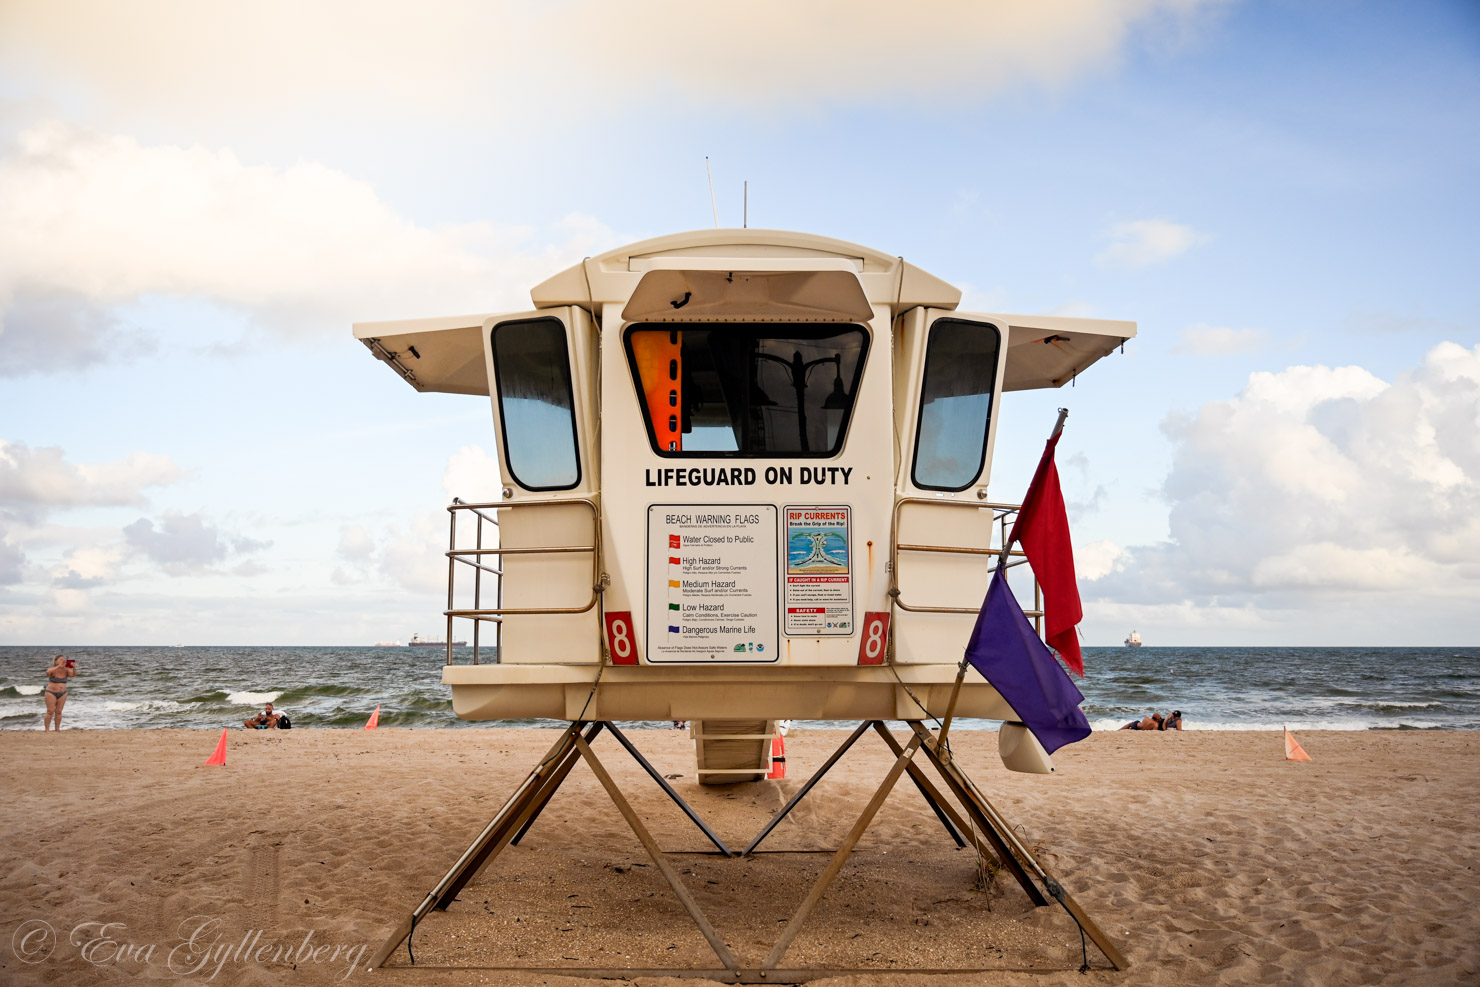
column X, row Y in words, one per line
column 1391, row 323
column 356, row 543
column 55, row 329
column 12, row 559
column 70, row 602
column 1080, row 498
column 1097, row 559
column 1319, row 482
column 185, row 544
column 36, row 481
column 273, row 58
column 1205, row 340
column 1074, row 309
column 472, row 475
column 87, row 566
column 1143, row 242
column 411, row 555
column 97, row 220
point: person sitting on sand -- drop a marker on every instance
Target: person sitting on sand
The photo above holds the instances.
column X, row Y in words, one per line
column 265, row 720
column 1173, row 720
column 57, row 676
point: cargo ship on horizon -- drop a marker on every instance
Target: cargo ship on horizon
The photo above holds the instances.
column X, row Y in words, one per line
column 417, row 641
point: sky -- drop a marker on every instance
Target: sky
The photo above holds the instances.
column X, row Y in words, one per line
column 198, row 199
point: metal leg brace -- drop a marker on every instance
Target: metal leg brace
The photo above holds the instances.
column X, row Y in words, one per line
column 519, row 813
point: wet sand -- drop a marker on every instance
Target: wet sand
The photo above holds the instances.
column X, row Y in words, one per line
column 1207, row 856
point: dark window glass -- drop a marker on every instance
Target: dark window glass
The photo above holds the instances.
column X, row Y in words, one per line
column 955, row 404
column 747, row 390
column 536, row 406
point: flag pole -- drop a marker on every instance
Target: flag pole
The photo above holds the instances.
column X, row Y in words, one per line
column 1007, row 541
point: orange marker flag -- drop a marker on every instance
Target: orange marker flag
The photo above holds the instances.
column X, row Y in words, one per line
column 374, row 720
column 1293, row 750
column 220, row 756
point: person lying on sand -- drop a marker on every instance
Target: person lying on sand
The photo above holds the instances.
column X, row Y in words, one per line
column 1152, row 722
column 265, row 720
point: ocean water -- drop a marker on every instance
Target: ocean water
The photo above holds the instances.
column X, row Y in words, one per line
column 1215, row 688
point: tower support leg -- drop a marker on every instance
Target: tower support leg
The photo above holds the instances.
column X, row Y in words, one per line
column 1015, row 854
column 526, row 800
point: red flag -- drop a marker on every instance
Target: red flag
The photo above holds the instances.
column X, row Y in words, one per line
column 1042, row 528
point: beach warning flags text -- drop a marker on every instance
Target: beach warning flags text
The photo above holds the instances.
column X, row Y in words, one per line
column 220, row 756
column 374, row 720
column 1042, row 528
column 1293, row 750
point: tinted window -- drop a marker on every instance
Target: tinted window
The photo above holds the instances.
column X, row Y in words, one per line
column 955, row 404
column 536, row 406
column 747, row 389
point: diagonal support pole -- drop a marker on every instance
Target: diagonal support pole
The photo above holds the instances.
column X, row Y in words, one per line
column 535, row 792
column 517, row 823
column 1019, row 856
column 841, row 857
column 716, row 942
column 958, row 784
column 668, row 790
column 515, row 811
column 943, row 811
column 547, row 790
column 802, row 792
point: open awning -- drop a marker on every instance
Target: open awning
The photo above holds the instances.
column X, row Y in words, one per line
column 720, row 290
column 439, row 354
column 1051, row 350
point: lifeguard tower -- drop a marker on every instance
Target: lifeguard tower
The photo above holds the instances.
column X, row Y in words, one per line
column 745, row 481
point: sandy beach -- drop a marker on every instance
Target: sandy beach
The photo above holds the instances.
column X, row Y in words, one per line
column 1207, row 856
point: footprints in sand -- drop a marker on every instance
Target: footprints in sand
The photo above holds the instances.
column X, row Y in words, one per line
column 263, row 875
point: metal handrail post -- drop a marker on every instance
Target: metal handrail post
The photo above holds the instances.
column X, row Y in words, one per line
column 1001, row 562
column 477, row 587
column 451, row 575
column 1001, row 512
column 470, row 556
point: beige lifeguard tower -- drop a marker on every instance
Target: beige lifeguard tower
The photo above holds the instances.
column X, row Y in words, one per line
column 745, row 481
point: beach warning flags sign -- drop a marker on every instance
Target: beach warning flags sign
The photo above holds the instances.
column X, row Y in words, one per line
column 374, row 720
column 220, row 756
column 1293, row 750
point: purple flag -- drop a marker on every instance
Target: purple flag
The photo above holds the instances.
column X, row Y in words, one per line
column 1010, row 656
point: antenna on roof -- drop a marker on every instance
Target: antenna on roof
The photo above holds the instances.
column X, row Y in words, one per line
column 745, row 216
column 712, row 204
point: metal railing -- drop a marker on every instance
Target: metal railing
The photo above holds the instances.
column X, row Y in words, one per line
column 473, row 558
column 1001, row 514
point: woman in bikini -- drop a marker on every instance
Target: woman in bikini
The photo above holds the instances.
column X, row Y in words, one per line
column 56, row 690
